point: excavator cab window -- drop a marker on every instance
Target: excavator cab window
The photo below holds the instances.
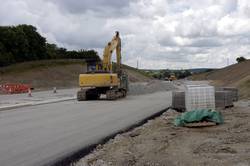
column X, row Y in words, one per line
column 94, row 66
column 91, row 67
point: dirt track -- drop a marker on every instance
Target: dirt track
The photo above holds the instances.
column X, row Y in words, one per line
column 158, row 142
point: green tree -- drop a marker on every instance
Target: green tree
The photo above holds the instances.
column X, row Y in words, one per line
column 36, row 43
column 240, row 59
column 23, row 43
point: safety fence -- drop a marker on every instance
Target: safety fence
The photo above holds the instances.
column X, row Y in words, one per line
column 14, row 88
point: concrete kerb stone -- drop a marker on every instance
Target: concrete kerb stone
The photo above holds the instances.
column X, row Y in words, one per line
column 10, row 107
column 4, row 108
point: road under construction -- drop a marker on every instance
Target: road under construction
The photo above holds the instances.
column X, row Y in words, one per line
column 57, row 127
column 46, row 134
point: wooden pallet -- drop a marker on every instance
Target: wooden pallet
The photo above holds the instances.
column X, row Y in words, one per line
column 200, row 124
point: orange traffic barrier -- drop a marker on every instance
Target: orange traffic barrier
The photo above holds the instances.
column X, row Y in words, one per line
column 14, row 88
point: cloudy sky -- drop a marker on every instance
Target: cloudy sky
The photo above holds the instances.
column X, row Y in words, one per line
column 157, row 33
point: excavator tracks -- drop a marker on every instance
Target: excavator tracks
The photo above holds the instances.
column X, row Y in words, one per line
column 81, row 95
column 93, row 94
column 115, row 94
column 88, row 94
column 111, row 95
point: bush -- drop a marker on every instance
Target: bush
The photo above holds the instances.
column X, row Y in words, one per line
column 240, row 59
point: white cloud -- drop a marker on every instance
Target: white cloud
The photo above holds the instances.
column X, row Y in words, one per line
column 160, row 33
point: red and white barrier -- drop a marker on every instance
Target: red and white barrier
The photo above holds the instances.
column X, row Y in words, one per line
column 14, row 88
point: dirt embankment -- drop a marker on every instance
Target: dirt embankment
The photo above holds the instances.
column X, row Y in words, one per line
column 237, row 75
column 139, row 88
column 160, row 143
column 47, row 74
column 137, row 76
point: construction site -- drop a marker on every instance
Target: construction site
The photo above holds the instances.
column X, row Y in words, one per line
column 124, row 102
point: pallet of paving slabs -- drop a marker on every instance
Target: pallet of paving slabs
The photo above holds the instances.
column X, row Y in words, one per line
column 200, row 124
column 178, row 100
column 199, row 97
column 235, row 92
column 224, row 99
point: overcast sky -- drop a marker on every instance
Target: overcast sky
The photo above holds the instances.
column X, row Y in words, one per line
column 158, row 33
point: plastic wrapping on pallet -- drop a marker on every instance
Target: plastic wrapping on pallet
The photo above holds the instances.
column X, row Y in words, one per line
column 199, row 97
column 178, row 100
column 201, row 115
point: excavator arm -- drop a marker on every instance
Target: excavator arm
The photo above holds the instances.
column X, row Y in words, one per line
column 115, row 44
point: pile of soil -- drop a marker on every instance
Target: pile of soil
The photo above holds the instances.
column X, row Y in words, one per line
column 159, row 142
column 237, row 75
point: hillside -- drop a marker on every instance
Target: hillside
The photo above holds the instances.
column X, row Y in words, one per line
column 237, row 75
column 46, row 74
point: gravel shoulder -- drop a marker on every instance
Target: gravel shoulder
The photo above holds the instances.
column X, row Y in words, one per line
column 152, row 86
column 159, row 142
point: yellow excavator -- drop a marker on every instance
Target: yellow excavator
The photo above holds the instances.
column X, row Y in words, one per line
column 102, row 79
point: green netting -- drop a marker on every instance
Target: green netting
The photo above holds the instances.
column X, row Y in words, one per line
column 198, row 116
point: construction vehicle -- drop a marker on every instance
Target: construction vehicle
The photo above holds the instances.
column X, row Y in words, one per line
column 101, row 79
column 172, row 77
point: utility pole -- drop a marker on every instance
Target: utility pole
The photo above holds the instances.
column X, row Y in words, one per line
column 137, row 64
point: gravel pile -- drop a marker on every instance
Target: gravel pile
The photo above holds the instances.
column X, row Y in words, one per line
column 150, row 87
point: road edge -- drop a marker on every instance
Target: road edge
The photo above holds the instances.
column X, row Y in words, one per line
column 5, row 108
column 78, row 154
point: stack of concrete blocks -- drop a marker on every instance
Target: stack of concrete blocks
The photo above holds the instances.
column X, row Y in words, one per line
column 225, row 96
column 199, row 97
column 234, row 92
column 223, row 99
column 178, row 101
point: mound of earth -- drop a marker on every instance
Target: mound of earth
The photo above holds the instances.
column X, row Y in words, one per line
column 237, row 75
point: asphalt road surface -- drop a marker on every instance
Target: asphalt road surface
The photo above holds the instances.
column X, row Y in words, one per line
column 40, row 135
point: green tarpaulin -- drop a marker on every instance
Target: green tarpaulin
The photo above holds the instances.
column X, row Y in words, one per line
column 198, row 116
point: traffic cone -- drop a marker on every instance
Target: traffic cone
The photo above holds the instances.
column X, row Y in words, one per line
column 54, row 90
column 29, row 93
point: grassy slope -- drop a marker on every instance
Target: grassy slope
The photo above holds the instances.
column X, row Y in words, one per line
column 237, row 75
column 49, row 73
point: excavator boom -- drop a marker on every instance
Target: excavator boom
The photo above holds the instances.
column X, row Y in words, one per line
column 115, row 44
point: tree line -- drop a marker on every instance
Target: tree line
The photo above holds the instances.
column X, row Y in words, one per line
column 163, row 74
column 23, row 43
